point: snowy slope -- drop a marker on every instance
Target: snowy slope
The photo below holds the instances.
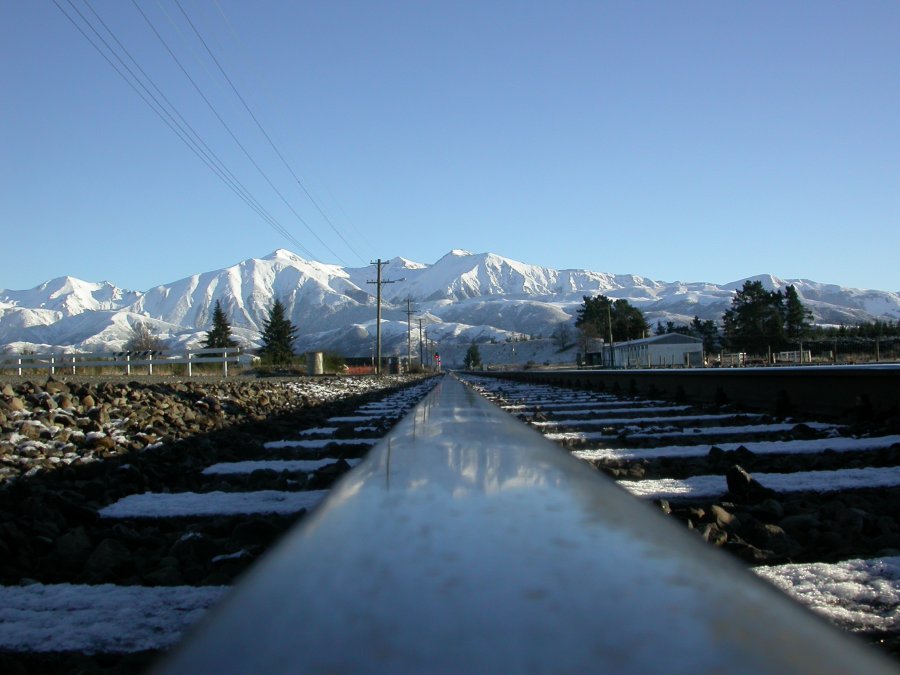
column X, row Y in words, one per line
column 463, row 296
column 309, row 290
column 70, row 296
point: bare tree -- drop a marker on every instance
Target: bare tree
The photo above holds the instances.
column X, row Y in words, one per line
column 143, row 340
column 562, row 335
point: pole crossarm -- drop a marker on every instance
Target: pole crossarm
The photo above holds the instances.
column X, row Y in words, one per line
column 379, row 282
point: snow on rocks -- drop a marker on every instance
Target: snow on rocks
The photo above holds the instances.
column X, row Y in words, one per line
column 317, row 443
column 84, row 618
column 193, row 504
column 158, row 484
column 821, row 497
column 296, row 465
column 858, row 595
column 88, row 421
column 807, row 446
column 800, row 481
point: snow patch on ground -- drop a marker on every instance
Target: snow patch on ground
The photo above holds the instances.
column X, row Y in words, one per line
column 801, row 481
column 317, row 443
column 296, row 465
column 99, row 619
column 759, row 448
column 613, row 421
column 180, row 504
column 857, row 595
column 693, row 432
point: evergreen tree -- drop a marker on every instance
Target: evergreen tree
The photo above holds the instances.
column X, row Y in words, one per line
column 796, row 317
column 220, row 335
column 755, row 321
column 278, row 336
column 593, row 319
column 707, row 331
column 473, row 357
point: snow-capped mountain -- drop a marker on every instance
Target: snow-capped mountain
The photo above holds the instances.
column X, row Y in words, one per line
column 461, row 297
column 69, row 296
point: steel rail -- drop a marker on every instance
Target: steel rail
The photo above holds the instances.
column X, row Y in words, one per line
column 466, row 542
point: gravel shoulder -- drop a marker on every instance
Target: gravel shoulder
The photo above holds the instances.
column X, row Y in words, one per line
column 70, row 447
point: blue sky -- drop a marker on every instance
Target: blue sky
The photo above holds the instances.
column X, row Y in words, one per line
column 695, row 141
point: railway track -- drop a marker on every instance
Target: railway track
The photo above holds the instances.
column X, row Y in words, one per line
column 467, row 542
column 811, row 506
column 123, row 581
column 463, row 543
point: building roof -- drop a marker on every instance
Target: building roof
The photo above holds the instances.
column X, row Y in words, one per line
column 665, row 339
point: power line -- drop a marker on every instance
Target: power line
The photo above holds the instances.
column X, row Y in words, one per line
column 205, row 149
column 260, row 79
column 232, row 134
column 263, row 131
column 207, row 158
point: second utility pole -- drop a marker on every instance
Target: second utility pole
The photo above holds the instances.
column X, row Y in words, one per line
column 378, row 284
column 409, row 314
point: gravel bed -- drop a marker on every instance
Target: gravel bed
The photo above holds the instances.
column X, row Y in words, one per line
column 69, row 447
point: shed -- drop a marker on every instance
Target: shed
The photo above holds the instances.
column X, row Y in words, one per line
column 658, row 351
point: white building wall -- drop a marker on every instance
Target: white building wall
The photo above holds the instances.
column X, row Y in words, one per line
column 656, row 355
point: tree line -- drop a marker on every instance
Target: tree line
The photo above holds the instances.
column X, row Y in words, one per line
column 759, row 320
column 278, row 335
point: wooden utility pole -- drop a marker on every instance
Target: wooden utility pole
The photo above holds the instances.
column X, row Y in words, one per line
column 379, row 282
column 409, row 313
column 421, row 346
column 612, row 344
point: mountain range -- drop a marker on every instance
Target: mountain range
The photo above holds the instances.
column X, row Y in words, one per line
column 460, row 298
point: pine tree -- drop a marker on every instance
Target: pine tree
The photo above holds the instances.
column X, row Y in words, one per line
column 595, row 313
column 278, row 336
column 755, row 321
column 707, row 331
column 473, row 357
column 796, row 317
column 220, row 335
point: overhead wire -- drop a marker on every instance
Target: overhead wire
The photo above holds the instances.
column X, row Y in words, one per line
column 264, row 132
column 233, row 135
column 261, row 78
column 205, row 149
column 201, row 151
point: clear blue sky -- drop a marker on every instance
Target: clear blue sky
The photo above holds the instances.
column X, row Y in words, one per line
column 695, row 141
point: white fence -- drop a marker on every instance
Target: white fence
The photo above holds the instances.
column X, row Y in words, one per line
column 126, row 360
column 799, row 356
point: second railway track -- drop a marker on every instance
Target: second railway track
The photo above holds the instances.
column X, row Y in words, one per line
column 811, row 505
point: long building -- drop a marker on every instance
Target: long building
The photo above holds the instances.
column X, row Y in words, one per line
column 659, row 351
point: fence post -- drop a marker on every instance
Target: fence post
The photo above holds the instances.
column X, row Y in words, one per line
column 128, row 364
column 20, row 366
column 224, row 363
column 52, row 365
column 150, row 365
column 190, row 373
